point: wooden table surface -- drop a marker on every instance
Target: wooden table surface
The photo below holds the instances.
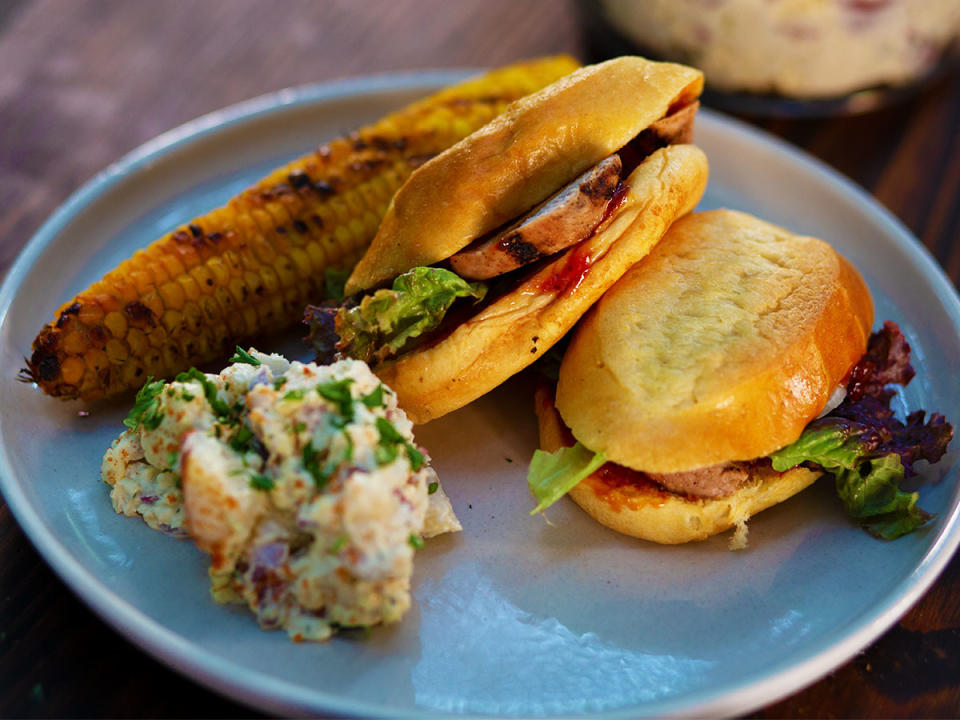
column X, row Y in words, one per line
column 83, row 82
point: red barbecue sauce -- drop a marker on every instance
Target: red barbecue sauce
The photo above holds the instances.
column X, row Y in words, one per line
column 568, row 277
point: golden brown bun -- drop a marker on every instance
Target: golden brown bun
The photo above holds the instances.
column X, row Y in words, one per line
column 721, row 345
column 520, row 158
column 517, row 328
column 617, row 498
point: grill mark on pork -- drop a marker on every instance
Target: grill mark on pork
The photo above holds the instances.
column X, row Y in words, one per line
column 522, row 251
column 561, row 221
column 673, row 129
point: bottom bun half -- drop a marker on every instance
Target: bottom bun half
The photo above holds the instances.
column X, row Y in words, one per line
column 628, row 502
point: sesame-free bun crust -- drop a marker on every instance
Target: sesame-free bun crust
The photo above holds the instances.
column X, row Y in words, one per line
column 721, row 345
column 515, row 329
column 520, row 158
column 644, row 510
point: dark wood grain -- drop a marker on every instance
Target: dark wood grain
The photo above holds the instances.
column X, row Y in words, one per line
column 83, row 82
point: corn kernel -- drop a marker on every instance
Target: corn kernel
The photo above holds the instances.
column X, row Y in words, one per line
column 116, row 323
column 72, row 370
column 117, row 351
column 75, row 342
column 138, row 342
column 172, row 295
column 172, row 320
column 171, row 263
column 203, row 278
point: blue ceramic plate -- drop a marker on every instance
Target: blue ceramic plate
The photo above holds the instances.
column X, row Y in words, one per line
column 513, row 616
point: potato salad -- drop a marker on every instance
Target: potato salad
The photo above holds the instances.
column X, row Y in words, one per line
column 303, row 482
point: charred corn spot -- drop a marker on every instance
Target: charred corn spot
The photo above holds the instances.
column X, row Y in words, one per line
column 249, row 267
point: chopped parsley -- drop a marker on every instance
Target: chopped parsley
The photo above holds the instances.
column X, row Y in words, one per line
column 242, row 442
column 416, row 542
column 338, row 544
column 322, row 464
column 414, row 456
column 298, row 394
column 243, row 356
column 279, row 382
column 209, row 391
column 374, row 399
column 261, row 482
column 432, row 488
column 311, row 464
column 385, row 454
column 338, row 392
column 146, row 408
column 388, row 433
column 390, row 439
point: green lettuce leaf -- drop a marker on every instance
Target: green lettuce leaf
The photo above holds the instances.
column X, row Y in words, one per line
column 553, row 475
column 868, row 484
column 384, row 321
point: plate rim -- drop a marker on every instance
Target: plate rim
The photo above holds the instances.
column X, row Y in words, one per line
column 274, row 694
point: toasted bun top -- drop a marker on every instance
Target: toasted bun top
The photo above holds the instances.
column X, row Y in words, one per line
column 517, row 160
column 721, row 345
column 517, row 328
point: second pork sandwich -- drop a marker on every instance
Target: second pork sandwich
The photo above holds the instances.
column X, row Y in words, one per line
column 691, row 387
column 532, row 218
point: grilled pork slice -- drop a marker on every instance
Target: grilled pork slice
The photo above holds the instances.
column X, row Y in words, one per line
column 559, row 222
column 573, row 213
column 715, row 481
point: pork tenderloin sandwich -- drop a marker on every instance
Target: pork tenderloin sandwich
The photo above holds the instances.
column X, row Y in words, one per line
column 689, row 397
column 523, row 225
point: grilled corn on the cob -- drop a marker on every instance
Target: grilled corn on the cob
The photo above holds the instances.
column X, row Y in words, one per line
column 251, row 266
